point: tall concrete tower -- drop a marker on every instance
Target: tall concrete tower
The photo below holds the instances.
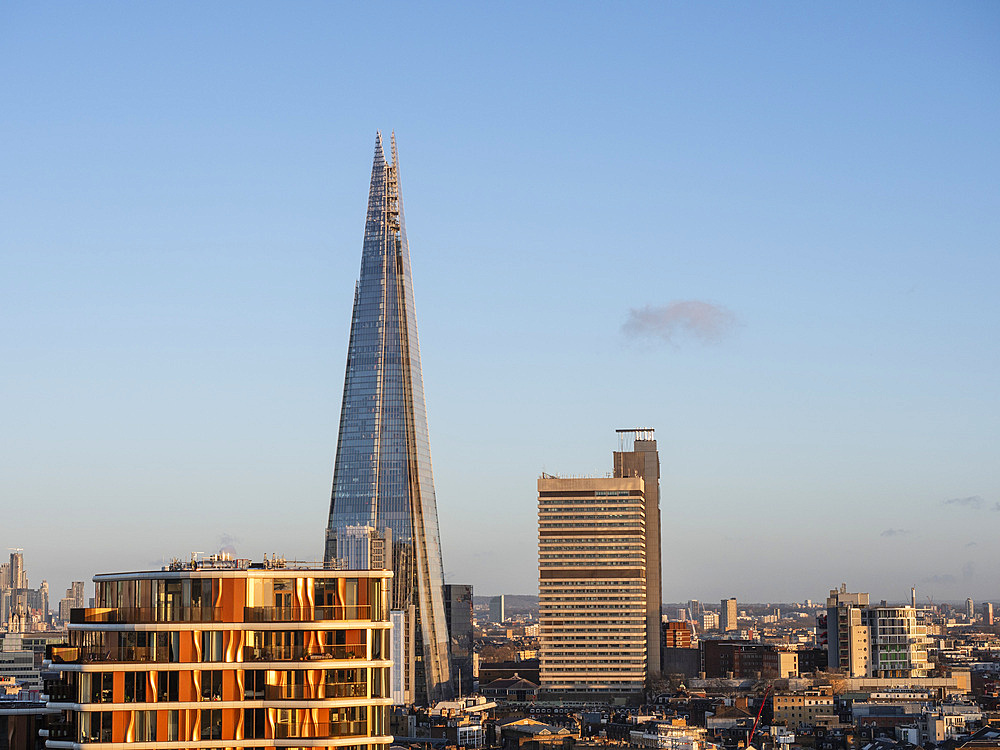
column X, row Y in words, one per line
column 637, row 457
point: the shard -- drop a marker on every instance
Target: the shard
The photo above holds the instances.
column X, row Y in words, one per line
column 382, row 476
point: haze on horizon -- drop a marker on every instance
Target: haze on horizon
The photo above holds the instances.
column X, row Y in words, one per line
column 770, row 232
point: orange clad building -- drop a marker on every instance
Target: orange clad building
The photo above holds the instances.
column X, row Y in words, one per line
column 226, row 653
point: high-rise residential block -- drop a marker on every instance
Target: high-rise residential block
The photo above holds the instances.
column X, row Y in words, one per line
column 898, row 642
column 709, row 620
column 874, row 641
column 498, row 609
column 225, row 653
column 728, row 615
column 637, row 457
column 970, row 609
column 382, row 475
column 848, row 636
column 595, row 554
column 987, row 613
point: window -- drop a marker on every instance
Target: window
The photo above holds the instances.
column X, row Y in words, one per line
column 211, row 685
column 253, row 723
column 211, row 645
column 135, row 687
column 145, row 726
column 253, row 684
column 166, row 686
column 211, row 724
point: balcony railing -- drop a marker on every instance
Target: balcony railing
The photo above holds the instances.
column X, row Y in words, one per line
column 60, row 692
column 297, row 653
column 310, row 614
column 162, row 654
column 321, row 731
column 144, row 615
column 62, row 730
column 319, row 692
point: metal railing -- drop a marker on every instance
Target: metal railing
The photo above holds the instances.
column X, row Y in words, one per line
column 321, row 731
column 62, row 730
column 338, row 612
column 319, row 692
column 144, row 615
column 298, row 653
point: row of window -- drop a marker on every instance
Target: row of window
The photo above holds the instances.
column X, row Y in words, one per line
column 226, row 646
column 207, row 685
column 207, row 724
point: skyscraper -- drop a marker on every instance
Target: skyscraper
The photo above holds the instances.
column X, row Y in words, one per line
column 599, row 575
column 727, row 614
column 637, row 457
column 382, row 475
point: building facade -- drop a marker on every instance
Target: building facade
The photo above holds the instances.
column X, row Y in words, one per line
column 803, row 708
column 227, row 654
column 637, row 457
column 498, row 611
column 898, row 643
column 382, row 474
column 677, row 635
column 461, row 636
column 881, row 641
column 598, row 633
column 847, row 636
column 728, row 615
column 743, row 660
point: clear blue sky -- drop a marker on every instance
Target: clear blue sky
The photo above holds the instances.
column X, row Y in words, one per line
column 182, row 197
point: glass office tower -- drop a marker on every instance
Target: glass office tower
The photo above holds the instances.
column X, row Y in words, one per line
column 382, row 476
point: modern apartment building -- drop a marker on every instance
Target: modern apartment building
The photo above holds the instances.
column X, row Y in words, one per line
column 225, row 653
column 848, row 636
column 880, row 641
column 597, row 575
column 728, row 615
column 898, row 642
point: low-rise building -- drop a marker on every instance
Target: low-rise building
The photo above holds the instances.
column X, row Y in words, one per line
column 671, row 735
column 803, row 708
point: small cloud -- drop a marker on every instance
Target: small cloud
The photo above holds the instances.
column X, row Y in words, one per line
column 895, row 532
column 968, row 571
column 996, row 507
column 703, row 321
column 974, row 502
column 947, row 578
column 971, row 544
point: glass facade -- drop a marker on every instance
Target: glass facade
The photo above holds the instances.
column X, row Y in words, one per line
column 232, row 656
column 382, row 475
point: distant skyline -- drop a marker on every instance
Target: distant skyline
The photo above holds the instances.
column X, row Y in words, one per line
column 770, row 232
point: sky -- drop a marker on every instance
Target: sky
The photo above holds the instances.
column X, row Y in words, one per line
column 770, row 231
